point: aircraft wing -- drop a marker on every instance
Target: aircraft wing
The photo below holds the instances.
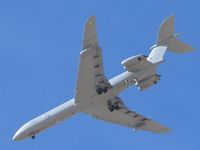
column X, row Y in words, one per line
column 125, row 117
column 90, row 71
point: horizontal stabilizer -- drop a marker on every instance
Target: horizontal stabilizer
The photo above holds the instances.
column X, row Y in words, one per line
column 179, row 47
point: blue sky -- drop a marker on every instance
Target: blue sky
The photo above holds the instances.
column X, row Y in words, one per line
column 39, row 50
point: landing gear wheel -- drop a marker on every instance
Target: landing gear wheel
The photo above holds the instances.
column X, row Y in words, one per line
column 99, row 91
column 116, row 106
column 104, row 90
column 111, row 108
column 33, row 136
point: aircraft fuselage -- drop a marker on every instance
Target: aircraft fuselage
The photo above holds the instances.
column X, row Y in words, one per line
column 94, row 91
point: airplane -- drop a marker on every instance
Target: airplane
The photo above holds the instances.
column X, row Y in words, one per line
column 97, row 96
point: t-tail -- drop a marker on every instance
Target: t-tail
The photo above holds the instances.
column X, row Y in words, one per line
column 167, row 40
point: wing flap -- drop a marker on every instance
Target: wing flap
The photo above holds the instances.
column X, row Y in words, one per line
column 86, row 79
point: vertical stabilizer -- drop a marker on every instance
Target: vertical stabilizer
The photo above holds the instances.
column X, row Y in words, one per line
column 166, row 31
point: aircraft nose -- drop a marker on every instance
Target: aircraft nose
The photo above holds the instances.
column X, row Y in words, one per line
column 18, row 136
column 21, row 134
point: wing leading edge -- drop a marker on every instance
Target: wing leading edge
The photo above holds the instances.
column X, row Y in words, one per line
column 90, row 71
column 125, row 117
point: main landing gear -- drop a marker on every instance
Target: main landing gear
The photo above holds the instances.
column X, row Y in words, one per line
column 113, row 107
column 100, row 90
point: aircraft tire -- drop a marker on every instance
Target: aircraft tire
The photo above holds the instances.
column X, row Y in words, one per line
column 116, row 107
column 111, row 108
column 33, row 137
column 99, row 91
column 104, row 90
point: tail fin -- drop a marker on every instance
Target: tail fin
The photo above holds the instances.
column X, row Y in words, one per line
column 166, row 37
column 166, row 31
column 167, row 40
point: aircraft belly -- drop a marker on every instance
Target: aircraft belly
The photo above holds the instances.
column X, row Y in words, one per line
column 56, row 115
column 47, row 120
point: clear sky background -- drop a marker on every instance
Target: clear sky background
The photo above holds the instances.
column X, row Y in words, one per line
column 39, row 50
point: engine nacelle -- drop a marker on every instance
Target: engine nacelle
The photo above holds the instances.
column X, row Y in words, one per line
column 134, row 63
column 132, row 60
column 147, row 82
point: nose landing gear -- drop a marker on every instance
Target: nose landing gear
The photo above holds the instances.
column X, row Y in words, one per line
column 33, row 136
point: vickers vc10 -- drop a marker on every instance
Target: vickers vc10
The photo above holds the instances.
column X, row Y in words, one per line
column 97, row 96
